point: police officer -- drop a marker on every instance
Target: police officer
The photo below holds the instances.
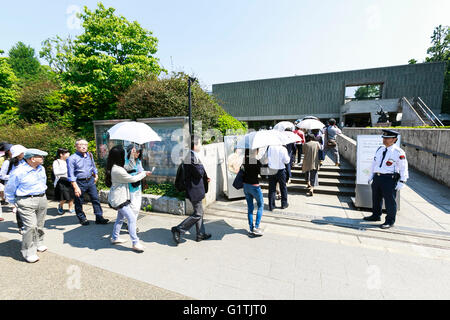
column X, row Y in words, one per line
column 26, row 187
column 389, row 174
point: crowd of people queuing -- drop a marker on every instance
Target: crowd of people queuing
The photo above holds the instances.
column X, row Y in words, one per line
column 23, row 184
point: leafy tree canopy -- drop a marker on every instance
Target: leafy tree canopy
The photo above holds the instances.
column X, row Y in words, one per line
column 23, row 61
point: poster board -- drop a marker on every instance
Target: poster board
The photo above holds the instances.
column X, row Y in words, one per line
column 233, row 160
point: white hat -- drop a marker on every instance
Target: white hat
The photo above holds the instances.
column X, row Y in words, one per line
column 16, row 150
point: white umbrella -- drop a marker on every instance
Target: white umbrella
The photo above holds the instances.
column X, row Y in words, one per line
column 259, row 139
column 287, row 137
column 281, row 126
column 310, row 124
column 133, row 131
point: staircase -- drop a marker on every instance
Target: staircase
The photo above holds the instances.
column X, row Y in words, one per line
column 423, row 112
column 339, row 181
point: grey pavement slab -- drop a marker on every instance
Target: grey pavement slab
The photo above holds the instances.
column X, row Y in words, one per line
column 287, row 262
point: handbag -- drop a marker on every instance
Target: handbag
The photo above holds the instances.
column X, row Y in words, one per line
column 331, row 142
column 238, row 182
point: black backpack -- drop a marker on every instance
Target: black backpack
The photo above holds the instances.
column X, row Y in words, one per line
column 179, row 180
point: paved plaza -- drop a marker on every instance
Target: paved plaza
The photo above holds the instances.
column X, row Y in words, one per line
column 318, row 248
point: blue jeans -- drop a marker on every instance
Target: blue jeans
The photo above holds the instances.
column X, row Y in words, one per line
column 254, row 192
column 91, row 189
column 126, row 212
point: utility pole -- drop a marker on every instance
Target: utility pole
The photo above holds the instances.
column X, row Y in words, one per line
column 191, row 80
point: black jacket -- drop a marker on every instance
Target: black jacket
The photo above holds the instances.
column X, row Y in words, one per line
column 196, row 179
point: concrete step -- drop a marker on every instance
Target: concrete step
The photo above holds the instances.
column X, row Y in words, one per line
column 321, row 189
column 326, row 174
column 331, row 168
column 336, row 182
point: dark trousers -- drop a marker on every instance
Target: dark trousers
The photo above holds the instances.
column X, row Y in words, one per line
column 383, row 187
column 298, row 151
column 89, row 188
column 279, row 177
column 196, row 218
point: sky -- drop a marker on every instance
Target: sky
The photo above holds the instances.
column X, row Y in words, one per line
column 220, row 41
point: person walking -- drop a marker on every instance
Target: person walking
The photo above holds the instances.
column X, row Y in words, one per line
column 311, row 162
column 196, row 182
column 252, row 190
column 133, row 165
column 117, row 178
column 16, row 154
column 318, row 136
column 389, row 173
column 63, row 189
column 298, row 145
column 83, row 175
column 331, row 145
column 26, row 188
column 278, row 159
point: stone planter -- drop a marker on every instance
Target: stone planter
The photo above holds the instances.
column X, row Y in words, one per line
column 158, row 203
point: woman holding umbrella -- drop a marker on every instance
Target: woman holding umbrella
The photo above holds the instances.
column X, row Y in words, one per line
column 133, row 165
column 117, row 178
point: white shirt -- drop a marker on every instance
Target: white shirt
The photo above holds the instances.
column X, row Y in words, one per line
column 394, row 161
column 278, row 157
column 59, row 169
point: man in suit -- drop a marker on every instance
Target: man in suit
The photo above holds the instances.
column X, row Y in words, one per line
column 196, row 182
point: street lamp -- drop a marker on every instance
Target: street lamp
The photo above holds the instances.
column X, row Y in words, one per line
column 191, row 80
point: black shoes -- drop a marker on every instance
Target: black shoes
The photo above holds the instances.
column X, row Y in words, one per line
column 176, row 235
column 101, row 220
column 203, row 236
column 284, row 207
column 386, row 226
column 372, row 218
column 84, row 222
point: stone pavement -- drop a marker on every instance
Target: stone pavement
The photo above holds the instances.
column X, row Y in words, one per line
column 295, row 259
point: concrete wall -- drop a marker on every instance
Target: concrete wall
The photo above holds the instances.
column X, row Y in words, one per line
column 427, row 150
column 347, row 148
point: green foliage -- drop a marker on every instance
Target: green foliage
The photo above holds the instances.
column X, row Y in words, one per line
column 168, row 97
column 227, row 123
column 163, row 189
column 42, row 136
column 23, row 61
column 148, row 208
column 8, row 86
column 440, row 51
column 102, row 62
column 370, row 91
column 42, row 101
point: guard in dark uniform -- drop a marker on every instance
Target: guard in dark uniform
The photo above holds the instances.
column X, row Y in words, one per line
column 389, row 174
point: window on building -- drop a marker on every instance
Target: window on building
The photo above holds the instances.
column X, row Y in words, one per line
column 363, row 92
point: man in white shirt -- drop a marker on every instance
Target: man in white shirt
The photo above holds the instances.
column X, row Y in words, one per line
column 389, row 173
column 278, row 159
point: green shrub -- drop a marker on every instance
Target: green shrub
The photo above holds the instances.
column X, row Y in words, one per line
column 228, row 125
column 163, row 189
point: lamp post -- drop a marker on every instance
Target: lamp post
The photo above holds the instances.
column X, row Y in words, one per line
column 191, row 80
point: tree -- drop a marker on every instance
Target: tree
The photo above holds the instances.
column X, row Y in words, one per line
column 370, row 91
column 23, row 61
column 440, row 51
column 8, row 86
column 101, row 63
column 167, row 97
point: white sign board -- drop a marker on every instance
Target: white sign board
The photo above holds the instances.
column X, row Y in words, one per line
column 367, row 145
column 233, row 160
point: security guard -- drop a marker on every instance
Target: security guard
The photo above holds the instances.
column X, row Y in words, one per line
column 389, row 174
column 26, row 187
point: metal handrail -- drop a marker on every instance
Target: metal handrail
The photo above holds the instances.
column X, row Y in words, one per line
column 439, row 121
column 417, row 104
column 419, row 117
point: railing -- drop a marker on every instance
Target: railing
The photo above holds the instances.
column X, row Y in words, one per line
column 438, row 122
column 413, row 109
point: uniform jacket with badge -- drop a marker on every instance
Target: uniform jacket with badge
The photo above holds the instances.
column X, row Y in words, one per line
column 196, row 179
column 393, row 161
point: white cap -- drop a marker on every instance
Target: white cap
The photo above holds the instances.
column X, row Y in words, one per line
column 16, row 150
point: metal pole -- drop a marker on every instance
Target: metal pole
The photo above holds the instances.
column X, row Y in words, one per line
column 190, row 106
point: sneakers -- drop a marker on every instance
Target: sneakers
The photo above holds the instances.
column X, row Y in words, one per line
column 32, row 259
column 257, row 232
column 22, row 230
column 101, row 220
column 42, row 248
column 72, row 211
column 117, row 241
column 138, row 247
column 60, row 210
